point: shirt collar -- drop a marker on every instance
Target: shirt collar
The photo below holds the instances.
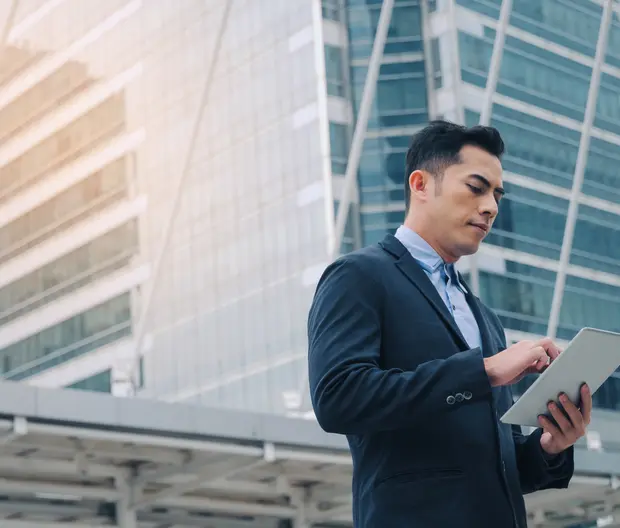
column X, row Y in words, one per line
column 425, row 255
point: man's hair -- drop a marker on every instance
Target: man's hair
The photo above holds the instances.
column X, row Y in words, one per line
column 437, row 146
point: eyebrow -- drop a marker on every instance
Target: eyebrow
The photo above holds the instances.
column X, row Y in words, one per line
column 499, row 190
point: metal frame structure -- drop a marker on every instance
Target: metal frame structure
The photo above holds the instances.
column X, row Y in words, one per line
column 73, row 459
column 580, row 167
column 361, row 124
column 356, row 148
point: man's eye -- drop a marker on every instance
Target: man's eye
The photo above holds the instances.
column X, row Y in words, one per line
column 474, row 189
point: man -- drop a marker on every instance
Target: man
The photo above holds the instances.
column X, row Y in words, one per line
column 414, row 369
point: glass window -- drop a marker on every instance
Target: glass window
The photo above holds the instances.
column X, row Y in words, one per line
column 83, row 266
column 339, row 144
column 331, row 10
column 334, row 71
column 522, row 299
column 64, row 210
column 100, row 382
column 541, row 78
column 404, row 34
column 400, row 98
column 534, row 222
column 571, row 23
column 76, row 139
column 42, row 98
column 528, row 74
column 72, row 338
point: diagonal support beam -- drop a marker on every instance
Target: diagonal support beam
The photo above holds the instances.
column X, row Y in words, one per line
column 147, row 301
column 357, row 145
column 221, row 470
column 361, row 124
column 487, row 107
column 580, row 167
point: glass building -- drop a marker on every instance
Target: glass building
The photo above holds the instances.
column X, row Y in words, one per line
column 435, row 64
column 174, row 171
column 163, row 195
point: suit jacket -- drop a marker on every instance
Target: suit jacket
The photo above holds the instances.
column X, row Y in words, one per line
column 389, row 368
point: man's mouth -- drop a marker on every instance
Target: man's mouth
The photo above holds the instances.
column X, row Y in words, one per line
column 484, row 228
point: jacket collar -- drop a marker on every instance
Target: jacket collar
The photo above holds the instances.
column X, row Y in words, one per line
column 415, row 273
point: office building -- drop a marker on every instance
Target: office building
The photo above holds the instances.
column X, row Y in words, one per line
column 435, row 64
column 221, row 133
column 115, row 281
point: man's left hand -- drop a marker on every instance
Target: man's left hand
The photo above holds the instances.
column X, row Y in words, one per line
column 571, row 424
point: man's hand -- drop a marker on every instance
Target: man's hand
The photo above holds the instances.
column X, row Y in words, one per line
column 571, row 423
column 520, row 359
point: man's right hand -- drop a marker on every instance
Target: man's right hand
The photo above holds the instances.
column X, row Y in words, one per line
column 522, row 358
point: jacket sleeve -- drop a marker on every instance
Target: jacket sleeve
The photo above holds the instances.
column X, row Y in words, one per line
column 537, row 469
column 351, row 393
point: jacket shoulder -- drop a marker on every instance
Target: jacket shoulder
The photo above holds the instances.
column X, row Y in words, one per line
column 361, row 267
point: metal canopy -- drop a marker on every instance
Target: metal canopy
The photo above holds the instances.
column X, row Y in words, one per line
column 72, row 459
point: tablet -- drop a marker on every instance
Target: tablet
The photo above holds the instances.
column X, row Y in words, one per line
column 591, row 357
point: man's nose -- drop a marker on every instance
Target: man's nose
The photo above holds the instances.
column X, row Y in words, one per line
column 489, row 206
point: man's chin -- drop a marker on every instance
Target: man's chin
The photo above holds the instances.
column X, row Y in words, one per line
column 467, row 250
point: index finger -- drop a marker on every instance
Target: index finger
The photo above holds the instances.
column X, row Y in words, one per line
column 552, row 350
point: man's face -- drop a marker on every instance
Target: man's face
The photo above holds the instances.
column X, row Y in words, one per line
column 460, row 208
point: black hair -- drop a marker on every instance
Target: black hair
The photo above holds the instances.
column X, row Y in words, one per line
column 437, row 146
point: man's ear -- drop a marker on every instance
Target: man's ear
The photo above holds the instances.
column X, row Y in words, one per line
column 419, row 184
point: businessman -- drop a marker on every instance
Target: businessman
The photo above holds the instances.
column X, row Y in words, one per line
column 414, row 369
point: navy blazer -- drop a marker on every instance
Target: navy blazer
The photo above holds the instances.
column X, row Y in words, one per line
column 390, row 369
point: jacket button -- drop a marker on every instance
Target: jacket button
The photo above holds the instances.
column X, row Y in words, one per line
column 450, row 400
column 467, row 395
column 459, row 397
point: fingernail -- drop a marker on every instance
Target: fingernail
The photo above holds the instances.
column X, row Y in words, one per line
column 551, row 406
column 563, row 397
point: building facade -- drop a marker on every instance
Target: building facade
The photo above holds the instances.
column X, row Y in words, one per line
column 166, row 167
column 174, row 172
column 436, row 64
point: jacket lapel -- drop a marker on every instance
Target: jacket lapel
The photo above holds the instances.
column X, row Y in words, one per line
column 412, row 270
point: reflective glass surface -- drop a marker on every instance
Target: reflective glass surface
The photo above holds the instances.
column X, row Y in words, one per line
column 232, row 293
column 100, row 382
column 540, row 163
column 399, row 108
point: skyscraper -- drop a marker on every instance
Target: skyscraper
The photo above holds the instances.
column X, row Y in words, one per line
column 436, row 63
column 217, row 136
column 213, row 117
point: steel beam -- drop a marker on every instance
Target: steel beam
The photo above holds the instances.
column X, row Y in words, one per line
column 125, row 512
column 147, row 300
column 361, row 124
column 221, row 470
column 357, row 145
column 580, row 167
column 487, row 107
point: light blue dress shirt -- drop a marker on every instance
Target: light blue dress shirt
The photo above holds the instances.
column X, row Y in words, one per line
column 446, row 282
